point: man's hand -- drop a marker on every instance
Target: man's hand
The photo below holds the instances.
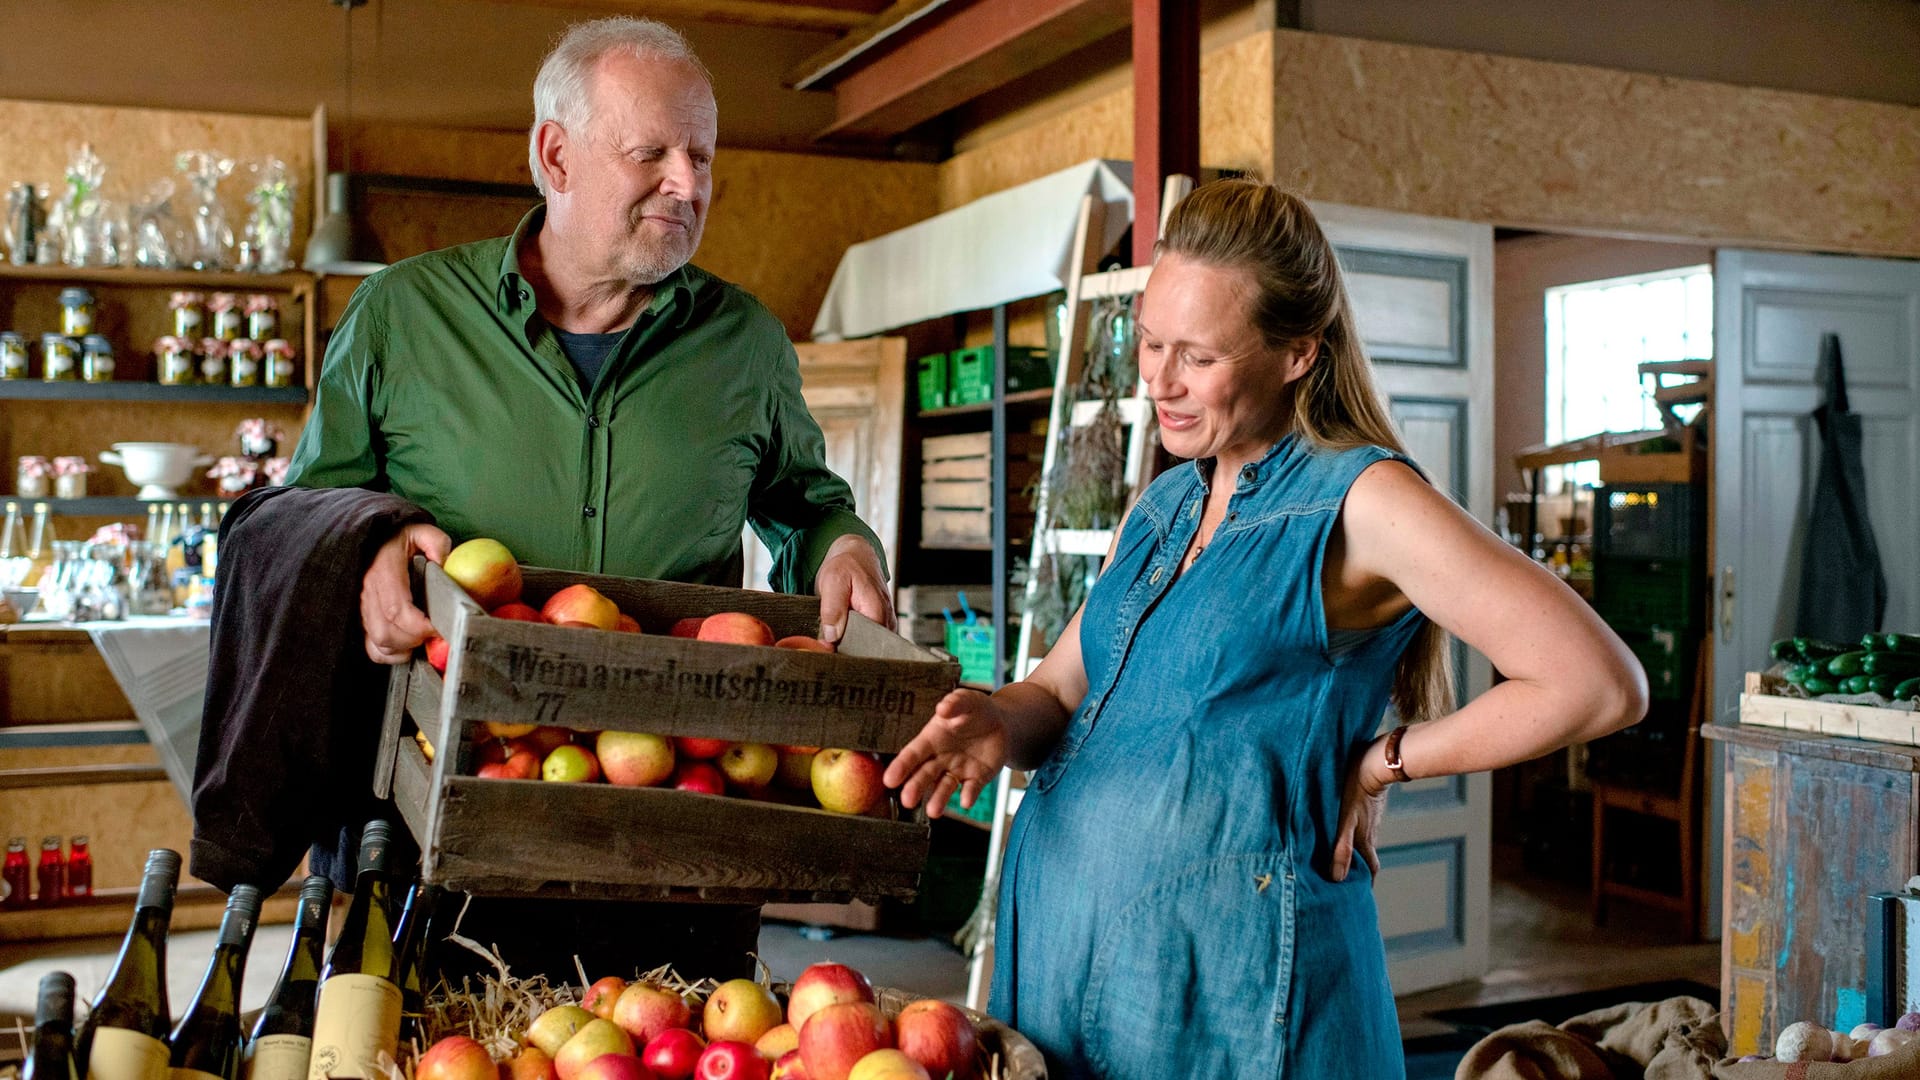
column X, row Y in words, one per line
column 394, row 626
column 850, row 576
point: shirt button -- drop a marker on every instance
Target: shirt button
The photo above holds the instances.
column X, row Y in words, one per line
column 525, row 295
column 1235, row 516
column 1248, row 474
column 589, row 511
column 593, row 421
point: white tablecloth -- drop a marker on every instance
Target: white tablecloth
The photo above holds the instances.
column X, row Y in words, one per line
column 160, row 663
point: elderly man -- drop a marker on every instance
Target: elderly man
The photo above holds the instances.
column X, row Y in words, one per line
column 581, row 393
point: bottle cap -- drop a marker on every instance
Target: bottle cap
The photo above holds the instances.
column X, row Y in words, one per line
column 49, row 843
column 163, row 861
column 79, row 841
column 373, row 844
column 315, row 894
column 56, row 994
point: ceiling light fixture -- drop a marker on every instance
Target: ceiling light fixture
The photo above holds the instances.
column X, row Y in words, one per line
column 340, row 244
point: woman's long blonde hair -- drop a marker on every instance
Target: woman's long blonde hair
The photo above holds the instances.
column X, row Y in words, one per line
column 1254, row 226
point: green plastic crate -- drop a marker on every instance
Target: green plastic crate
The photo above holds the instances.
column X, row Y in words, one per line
column 933, row 381
column 973, row 647
column 982, row 807
column 1635, row 595
column 970, row 376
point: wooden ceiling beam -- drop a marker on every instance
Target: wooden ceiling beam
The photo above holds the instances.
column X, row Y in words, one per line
column 825, row 16
column 960, row 55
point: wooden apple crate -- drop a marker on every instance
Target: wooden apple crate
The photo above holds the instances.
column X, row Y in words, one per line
column 956, row 487
column 529, row 837
column 1808, row 716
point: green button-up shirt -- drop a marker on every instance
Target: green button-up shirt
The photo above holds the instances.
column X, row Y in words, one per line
column 444, row 385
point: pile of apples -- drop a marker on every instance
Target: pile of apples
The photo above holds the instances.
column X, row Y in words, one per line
column 843, row 781
column 1808, row 1041
column 830, row 1030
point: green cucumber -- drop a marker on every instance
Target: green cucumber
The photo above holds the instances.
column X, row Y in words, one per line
column 1819, row 684
column 1787, row 651
column 1873, row 642
column 1883, row 685
column 1902, row 643
column 1855, row 684
column 1908, row 689
column 1816, row 648
column 1905, row 665
column 1798, row 673
column 1847, row 663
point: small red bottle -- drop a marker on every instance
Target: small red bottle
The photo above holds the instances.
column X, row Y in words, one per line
column 53, row 873
column 79, row 869
column 18, row 875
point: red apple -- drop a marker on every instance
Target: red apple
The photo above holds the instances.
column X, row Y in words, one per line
column 700, row 749
column 729, row 1060
column 627, row 624
column 789, row 1067
column 778, row 1041
column 796, row 768
column 553, row 1027
column 516, row 611
column 847, row 781
column 939, row 1037
column 489, row 751
column 736, row 628
column 741, row 1010
column 888, row 1065
column 633, row 758
column 615, row 1067
column 802, row 641
column 602, row 994
column 833, row 1040
column 437, row 650
column 595, row 1037
column 581, row 603
column 822, row 985
column 688, row 627
column 673, row 1053
column 698, row 776
column 456, row 1057
column 570, row 765
column 645, row 1010
column 486, row 569
column 749, row 766
column 544, row 740
column 531, row 1063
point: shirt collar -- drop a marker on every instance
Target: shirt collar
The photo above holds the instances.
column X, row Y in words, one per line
column 513, row 296
column 1252, row 474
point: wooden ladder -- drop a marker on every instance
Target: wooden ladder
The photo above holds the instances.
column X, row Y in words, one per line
column 1084, row 287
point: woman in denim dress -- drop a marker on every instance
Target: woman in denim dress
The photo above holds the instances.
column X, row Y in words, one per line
column 1181, row 896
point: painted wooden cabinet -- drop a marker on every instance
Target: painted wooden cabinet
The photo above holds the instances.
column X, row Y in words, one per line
column 1814, row 824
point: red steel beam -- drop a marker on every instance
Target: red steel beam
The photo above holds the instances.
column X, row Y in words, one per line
column 1166, row 109
column 979, row 47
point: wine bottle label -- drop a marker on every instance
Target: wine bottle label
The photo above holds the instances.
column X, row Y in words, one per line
column 192, row 1074
column 123, row 1054
column 357, row 1017
column 279, row 1057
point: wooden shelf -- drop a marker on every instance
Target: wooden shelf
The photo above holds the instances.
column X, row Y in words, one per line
column 183, row 279
column 40, row 390
column 1018, row 397
column 116, row 505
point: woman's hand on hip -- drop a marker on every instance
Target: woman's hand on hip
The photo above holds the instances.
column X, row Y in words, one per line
column 1361, row 804
column 962, row 747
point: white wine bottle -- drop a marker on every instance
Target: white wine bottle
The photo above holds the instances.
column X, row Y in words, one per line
column 52, row 1055
column 282, row 1041
column 358, row 1014
column 412, row 944
column 206, row 1045
column 125, row 1034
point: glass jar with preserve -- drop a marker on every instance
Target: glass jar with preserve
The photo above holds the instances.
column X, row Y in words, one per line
column 173, row 358
column 13, row 355
column 96, row 359
column 59, row 358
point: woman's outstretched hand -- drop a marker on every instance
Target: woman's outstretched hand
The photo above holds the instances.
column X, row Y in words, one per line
column 962, row 747
column 1361, row 805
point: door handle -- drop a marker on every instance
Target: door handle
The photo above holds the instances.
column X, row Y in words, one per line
column 1726, row 604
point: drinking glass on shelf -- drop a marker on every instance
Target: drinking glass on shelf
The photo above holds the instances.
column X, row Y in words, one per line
column 56, row 589
column 149, row 592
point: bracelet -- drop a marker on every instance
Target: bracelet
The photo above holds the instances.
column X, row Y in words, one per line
column 1392, row 755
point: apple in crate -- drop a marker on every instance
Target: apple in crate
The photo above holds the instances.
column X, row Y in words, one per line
column 552, row 1028
column 790, row 1067
column 531, row 1063
column 437, row 650
column 520, row 765
column 700, row 749
column 698, row 776
column 645, row 1010
column 544, row 740
column 634, row 758
column 795, row 771
column 581, row 604
column 730, row 1060
column 749, row 766
column 600, row 997
column 456, row 1057
column 740, row 1010
column 833, row 1040
column 802, row 641
column 938, row 1036
column 822, row 985
column 516, row 611
column 688, row 627
column 673, row 1053
column 735, row 628
column 570, row 765
column 487, row 570
column 616, row 1067
column 595, row 1037
column 847, row 781
column 778, row 1041
column 888, row 1065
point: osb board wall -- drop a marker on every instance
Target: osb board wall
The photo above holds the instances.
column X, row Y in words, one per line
column 121, row 821
column 138, row 146
column 1236, row 129
column 1524, row 142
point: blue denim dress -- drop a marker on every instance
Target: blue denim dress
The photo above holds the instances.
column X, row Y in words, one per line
column 1165, row 909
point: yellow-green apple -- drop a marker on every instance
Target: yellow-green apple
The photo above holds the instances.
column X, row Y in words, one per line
column 700, row 749
column 833, row 1040
column 552, row 1028
column 822, row 985
column 627, row 624
column 796, row 767
column 531, row 1063
column 736, row 628
column 673, row 1053
column 749, row 766
column 516, row 611
column 888, row 1065
column 500, row 729
column 802, row 641
column 645, row 1010
column 939, row 1037
column 634, row 758
column 437, row 650
column 600, row 997
column 741, row 1010
column 615, row 1067
column 728, row 1059
column 456, row 1057
column 485, row 568
column 581, row 603
column 698, row 776
column 790, row 1067
column 570, row 765
column 595, row 1037
column 688, row 627
column 847, row 781
column 778, row 1041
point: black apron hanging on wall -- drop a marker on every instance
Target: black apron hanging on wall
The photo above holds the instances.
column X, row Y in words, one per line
column 1843, row 593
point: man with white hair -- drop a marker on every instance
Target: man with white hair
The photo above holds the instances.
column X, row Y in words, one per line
column 581, row 393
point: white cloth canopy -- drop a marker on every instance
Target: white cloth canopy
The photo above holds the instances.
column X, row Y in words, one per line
column 1007, row 246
